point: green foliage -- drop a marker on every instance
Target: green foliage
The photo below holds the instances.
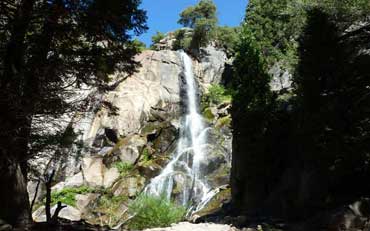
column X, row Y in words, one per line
column 145, row 154
column 110, row 205
column 320, row 120
column 208, row 115
column 218, row 94
column 204, row 32
column 150, row 211
column 139, row 45
column 67, row 195
column 156, row 39
column 205, row 9
column 224, row 121
column 183, row 39
column 227, row 38
column 276, row 26
column 202, row 18
column 48, row 48
column 344, row 12
column 124, row 168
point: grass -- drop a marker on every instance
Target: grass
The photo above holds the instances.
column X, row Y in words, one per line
column 150, row 211
column 124, row 168
column 68, row 195
column 218, row 94
column 110, row 205
column 208, row 115
column 224, row 121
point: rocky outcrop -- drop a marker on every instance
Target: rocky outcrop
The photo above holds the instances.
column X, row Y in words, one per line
column 69, row 213
column 185, row 226
column 129, row 134
column 281, row 78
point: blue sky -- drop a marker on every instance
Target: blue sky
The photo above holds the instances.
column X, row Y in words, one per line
column 163, row 14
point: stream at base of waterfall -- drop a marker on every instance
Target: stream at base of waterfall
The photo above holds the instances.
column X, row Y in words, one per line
column 187, row 165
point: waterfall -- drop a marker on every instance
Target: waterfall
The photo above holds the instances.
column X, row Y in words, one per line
column 182, row 178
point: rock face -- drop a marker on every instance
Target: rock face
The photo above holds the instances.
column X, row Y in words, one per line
column 156, row 83
column 96, row 174
column 128, row 136
column 281, row 79
column 69, row 213
column 185, row 226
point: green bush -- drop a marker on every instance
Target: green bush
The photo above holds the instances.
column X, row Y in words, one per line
column 150, row 211
column 183, row 40
column 227, row 38
column 224, row 121
column 124, row 168
column 139, row 45
column 208, row 115
column 67, row 195
column 218, row 94
column 111, row 207
column 202, row 18
column 156, row 39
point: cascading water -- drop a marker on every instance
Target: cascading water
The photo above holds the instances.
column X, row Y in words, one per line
column 185, row 171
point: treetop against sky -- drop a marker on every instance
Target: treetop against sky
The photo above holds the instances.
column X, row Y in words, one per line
column 164, row 14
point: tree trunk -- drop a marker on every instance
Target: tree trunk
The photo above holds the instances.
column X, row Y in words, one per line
column 14, row 204
column 15, row 122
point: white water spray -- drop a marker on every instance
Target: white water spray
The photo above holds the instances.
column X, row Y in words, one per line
column 184, row 171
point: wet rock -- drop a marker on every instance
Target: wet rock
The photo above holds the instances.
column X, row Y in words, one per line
column 149, row 170
column 149, row 97
column 214, row 205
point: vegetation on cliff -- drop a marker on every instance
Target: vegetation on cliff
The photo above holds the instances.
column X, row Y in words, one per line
column 46, row 47
column 306, row 147
column 201, row 29
column 150, row 211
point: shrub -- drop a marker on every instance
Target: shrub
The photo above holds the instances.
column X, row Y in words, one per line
column 224, row 121
column 111, row 206
column 67, row 195
column 156, row 39
column 218, row 94
column 150, row 211
column 202, row 18
column 208, row 115
column 227, row 38
column 139, row 45
column 124, row 168
column 182, row 40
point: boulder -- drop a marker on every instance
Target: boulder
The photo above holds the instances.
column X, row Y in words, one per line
column 69, row 213
column 211, row 65
column 83, row 200
column 186, row 226
column 96, row 174
column 130, row 151
column 129, row 186
column 281, row 79
column 73, row 181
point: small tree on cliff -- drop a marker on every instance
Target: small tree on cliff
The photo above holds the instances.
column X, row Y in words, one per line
column 202, row 18
column 156, row 39
column 46, row 47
